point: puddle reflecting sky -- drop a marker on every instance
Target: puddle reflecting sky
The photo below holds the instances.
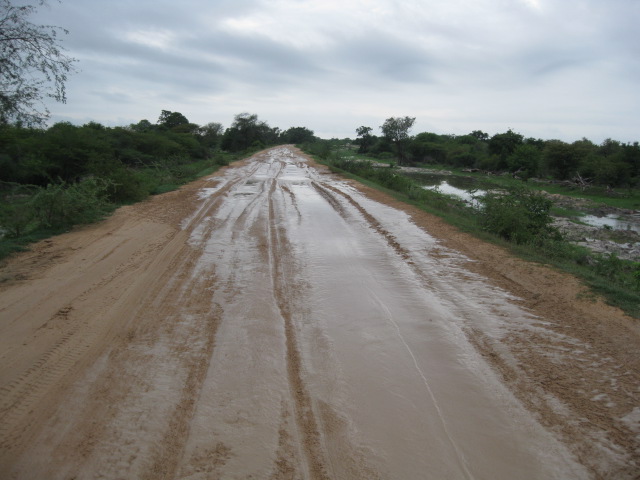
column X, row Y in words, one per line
column 611, row 221
column 448, row 189
column 466, row 188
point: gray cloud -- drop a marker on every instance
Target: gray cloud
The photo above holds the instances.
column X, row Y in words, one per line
column 385, row 57
column 543, row 67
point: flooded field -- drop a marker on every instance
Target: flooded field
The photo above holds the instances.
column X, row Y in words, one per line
column 612, row 221
column 465, row 188
column 598, row 233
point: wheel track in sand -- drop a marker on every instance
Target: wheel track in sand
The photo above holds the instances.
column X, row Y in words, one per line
column 329, row 192
column 304, row 414
column 23, row 397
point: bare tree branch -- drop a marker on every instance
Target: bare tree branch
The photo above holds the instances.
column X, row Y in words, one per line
column 33, row 65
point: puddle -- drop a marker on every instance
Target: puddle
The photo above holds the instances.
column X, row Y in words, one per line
column 611, row 221
column 207, row 192
column 464, row 188
column 448, row 189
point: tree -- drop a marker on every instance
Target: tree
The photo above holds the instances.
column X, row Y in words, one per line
column 33, row 65
column 427, row 147
column 525, row 160
column 298, row 135
column 503, row 145
column 396, row 130
column 365, row 139
column 632, row 157
column 610, row 147
column 480, row 135
column 142, row 126
column 172, row 119
column 562, row 159
column 210, row 134
column 247, row 131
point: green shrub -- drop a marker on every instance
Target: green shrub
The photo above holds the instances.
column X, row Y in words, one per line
column 636, row 274
column 519, row 215
column 221, row 159
column 128, row 186
column 63, row 205
column 623, row 273
column 16, row 209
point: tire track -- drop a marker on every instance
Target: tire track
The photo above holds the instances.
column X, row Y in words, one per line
column 404, row 253
column 305, row 418
column 21, row 396
column 213, row 201
column 220, row 349
column 371, row 220
column 329, row 193
column 22, row 400
column 167, row 458
column 242, row 219
column 176, row 311
column 294, row 201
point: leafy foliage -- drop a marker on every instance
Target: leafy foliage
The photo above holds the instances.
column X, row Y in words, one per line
column 57, row 206
column 62, row 205
column 169, row 119
column 365, row 139
column 396, row 131
column 297, row 135
column 519, row 215
column 33, row 65
column 247, row 132
column 210, row 134
column 16, row 210
column 525, row 160
column 51, row 179
column 612, row 164
column 503, row 145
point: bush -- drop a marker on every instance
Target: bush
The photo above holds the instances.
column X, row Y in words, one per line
column 220, row 159
column 61, row 205
column 16, row 209
column 128, row 186
column 621, row 272
column 519, row 215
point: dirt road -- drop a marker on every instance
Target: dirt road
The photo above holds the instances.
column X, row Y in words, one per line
column 276, row 322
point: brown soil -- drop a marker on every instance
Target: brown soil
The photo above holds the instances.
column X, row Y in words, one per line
column 73, row 297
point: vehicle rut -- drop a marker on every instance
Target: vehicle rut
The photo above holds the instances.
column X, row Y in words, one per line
column 305, row 417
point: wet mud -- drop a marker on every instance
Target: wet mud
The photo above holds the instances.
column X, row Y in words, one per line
column 276, row 322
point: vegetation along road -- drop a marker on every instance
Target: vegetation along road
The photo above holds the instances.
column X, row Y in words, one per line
column 274, row 321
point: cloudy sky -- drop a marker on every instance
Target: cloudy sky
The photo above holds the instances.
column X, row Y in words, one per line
column 562, row 69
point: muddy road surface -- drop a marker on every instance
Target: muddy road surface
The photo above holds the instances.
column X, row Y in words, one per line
column 275, row 322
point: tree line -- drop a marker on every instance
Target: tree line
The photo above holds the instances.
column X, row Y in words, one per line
column 52, row 178
column 126, row 155
column 611, row 163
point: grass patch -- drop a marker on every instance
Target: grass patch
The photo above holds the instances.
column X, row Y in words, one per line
column 557, row 211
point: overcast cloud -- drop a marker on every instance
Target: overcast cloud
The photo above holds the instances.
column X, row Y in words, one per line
column 546, row 68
